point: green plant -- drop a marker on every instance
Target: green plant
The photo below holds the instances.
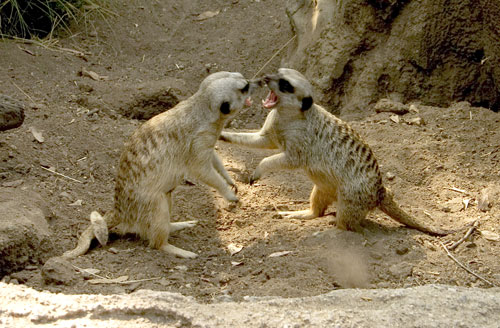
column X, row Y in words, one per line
column 40, row 18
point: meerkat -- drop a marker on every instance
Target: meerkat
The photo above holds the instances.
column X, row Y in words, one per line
column 341, row 165
column 160, row 153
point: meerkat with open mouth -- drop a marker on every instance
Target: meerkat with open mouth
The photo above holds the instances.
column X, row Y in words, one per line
column 341, row 165
column 160, row 153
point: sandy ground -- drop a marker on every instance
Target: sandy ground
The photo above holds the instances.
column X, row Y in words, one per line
column 433, row 168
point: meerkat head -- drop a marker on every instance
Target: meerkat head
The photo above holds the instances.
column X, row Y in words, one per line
column 228, row 92
column 288, row 90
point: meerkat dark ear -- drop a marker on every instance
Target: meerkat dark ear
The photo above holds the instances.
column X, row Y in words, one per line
column 225, row 108
column 306, row 103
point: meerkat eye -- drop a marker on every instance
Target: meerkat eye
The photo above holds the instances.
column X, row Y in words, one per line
column 285, row 86
column 245, row 89
column 225, row 108
column 306, row 103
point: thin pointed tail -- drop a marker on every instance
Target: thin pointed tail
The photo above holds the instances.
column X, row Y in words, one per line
column 89, row 234
column 389, row 206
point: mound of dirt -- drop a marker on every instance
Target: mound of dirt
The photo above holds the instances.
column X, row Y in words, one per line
column 436, row 52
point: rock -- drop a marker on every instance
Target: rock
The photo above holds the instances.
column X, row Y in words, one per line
column 24, row 231
column 484, row 200
column 414, row 109
column 416, row 121
column 425, row 306
column 390, row 176
column 395, row 118
column 13, row 184
column 397, row 46
column 387, row 105
column 401, row 270
column 58, row 271
column 22, row 276
column 402, row 250
column 11, row 113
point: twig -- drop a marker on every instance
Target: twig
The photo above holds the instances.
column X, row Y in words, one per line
column 138, row 280
column 457, row 190
column 91, row 273
column 27, row 95
column 275, row 54
column 465, row 267
column 51, row 46
column 65, row 176
column 93, row 111
column 122, row 282
column 467, row 234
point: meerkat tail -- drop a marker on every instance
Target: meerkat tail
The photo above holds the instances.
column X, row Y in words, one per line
column 389, row 206
column 90, row 233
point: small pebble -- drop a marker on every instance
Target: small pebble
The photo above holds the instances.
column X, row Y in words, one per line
column 113, row 250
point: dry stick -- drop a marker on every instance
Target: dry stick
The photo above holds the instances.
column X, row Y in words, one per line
column 138, row 280
column 275, row 54
column 65, row 176
column 52, row 47
column 465, row 267
column 122, row 282
column 467, row 234
column 27, row 95
column 84, row 270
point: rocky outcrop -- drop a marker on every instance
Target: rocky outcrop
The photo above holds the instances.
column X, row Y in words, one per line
column 427, row 306
column 11, row 113
column 24, row 231
column 436, row 52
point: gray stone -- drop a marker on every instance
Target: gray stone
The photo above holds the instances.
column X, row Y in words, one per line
column 58, row 271
column 401, row 270
column 397, row 46
column 425, row 306
column 11, row 113
column 24, row 231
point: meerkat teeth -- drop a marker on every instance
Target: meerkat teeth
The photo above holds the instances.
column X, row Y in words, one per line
column 248, row 101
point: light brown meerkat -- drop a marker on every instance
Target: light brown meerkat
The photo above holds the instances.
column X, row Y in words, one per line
column 160, row 153
column 341, row 165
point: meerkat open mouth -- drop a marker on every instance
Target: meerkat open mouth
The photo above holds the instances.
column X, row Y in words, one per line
column 271, row 100
column 248, row 101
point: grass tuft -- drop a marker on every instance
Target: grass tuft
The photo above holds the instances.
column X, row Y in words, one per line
column 40, row 18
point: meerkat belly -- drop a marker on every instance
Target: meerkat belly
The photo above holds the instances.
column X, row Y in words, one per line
column 346, row 165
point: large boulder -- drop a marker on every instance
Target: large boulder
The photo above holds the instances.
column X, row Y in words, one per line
column 24, row 231
column 358, row 51
column 11, row 113
column 426, row 306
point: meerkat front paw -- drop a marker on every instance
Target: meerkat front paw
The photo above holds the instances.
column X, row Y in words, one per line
column 231, row 205
column 234, row 187
column 254, row 177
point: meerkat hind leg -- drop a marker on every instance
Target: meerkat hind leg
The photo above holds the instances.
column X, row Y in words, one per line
column 319, row 203
column 160, row 227
column 350, row 216
column 176, row 226
column 171, row 249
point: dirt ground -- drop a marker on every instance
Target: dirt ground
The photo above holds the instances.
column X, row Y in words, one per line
column 432, row 168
